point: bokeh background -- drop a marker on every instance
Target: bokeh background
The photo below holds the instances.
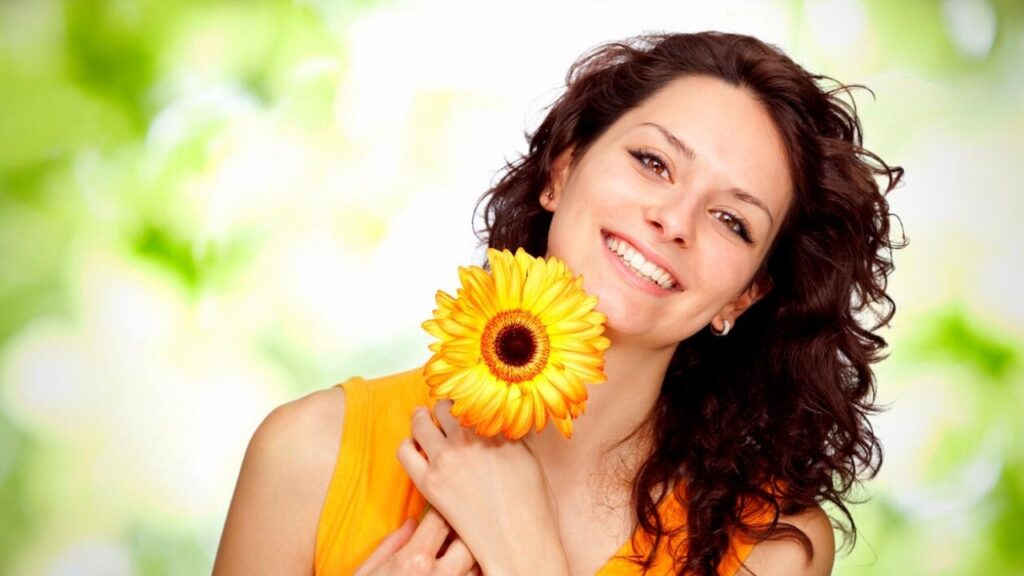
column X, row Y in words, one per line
column 208, row 208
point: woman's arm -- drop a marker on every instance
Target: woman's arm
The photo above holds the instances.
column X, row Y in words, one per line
column 271, row 524
column 788, row 558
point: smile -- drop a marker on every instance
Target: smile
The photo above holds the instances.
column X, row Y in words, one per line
column 636, row 262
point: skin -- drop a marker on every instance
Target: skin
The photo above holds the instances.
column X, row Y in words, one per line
column 680, row 208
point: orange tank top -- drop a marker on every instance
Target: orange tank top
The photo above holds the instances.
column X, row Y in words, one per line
column 370, row 495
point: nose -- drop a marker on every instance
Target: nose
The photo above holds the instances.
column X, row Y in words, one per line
column 672, row 220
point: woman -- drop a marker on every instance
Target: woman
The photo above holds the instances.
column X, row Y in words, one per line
column 717, row 201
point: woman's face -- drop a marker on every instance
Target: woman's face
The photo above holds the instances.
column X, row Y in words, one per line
column 690, row 188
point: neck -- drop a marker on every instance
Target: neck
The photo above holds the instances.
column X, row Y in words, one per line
column 614, row 409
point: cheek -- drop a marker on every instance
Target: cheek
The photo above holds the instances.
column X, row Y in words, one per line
column 727, row 272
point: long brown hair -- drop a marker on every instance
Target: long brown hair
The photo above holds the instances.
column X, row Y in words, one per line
column 776, row 413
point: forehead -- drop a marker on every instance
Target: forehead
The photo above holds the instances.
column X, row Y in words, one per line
column 733, row 137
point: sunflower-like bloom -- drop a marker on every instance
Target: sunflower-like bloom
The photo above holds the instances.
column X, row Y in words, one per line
column 517, row 346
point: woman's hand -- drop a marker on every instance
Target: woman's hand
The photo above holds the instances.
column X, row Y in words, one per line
column 412, row 550
column 490, row 490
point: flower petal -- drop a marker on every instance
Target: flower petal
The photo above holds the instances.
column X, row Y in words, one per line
column 534, row 283
column 520, row 424
column 540, row 411
column 553, row 399
column 501, row 270
column 564, row 426
column 491, row 405
column 571, row 388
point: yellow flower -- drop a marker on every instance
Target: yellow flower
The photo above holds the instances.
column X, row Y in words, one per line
column 517, row 346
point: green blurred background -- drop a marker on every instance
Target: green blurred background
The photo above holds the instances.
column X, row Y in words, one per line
column 208, row 208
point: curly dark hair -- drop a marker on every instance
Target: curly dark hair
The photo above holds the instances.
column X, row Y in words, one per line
column 793, row 380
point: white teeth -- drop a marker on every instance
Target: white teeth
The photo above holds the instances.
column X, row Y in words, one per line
column 639, row 264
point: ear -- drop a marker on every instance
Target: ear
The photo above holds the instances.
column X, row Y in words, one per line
column 560, row 168
column 746, row 299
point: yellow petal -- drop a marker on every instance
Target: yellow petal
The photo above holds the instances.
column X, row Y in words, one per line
column 515, row 286
column 455, row 328
column 437, row 369
column 465, row 408
column 562, row 308
column 464, row 344
column 540, row 411
column 478, row 291
column 570, row 388
column 550, row 294
column 474, row 321
column 502, row 272
column 445, row 303
column 553, row 399
column 570, row 343
column 512, row 402
column 457, row 385
column 571, row 327
column 461, row 357
column 590, row 375
column 574, row 360
column 523, row 418
column 591, row 335
column 492, row 427
column 564, row 426
column 490, row 405
column 432, row 328
column 534, row 283
column 470, row 385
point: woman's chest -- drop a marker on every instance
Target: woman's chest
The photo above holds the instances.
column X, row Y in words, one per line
column 593, row 531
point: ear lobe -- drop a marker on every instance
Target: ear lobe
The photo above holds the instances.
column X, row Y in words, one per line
column 559, row 174
column 757, row 290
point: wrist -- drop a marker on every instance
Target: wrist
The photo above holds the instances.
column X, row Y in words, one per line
column 529, row 561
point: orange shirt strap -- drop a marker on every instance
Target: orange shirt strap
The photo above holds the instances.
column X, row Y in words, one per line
column 369, row 495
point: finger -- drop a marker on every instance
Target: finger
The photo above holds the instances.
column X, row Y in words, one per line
column 475, row 571
column 425, row 432
column 431, row 533
column 413, row 461
column 443, row 414
column 457, row 559
column 388, row 546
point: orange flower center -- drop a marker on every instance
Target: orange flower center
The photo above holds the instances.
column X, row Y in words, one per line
column 515, row 345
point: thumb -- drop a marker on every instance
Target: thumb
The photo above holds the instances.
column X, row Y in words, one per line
column 388, row 546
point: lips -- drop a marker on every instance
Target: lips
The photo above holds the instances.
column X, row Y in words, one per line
column 645, row 265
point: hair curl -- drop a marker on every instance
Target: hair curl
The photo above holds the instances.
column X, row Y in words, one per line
column 793, row 380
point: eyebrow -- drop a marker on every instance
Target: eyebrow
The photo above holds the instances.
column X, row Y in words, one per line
column 675, row 142
column 685, row 150
column 745, row 197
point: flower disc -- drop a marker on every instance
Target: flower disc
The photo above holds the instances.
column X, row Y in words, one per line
column 515, row 346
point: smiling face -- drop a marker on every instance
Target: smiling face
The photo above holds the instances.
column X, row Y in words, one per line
column 670, row 212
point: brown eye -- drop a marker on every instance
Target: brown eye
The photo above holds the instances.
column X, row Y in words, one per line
column 652, row 162
column 735, row 224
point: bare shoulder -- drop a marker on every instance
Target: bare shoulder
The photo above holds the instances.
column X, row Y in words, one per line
column 271, row 524
column 787, row 557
